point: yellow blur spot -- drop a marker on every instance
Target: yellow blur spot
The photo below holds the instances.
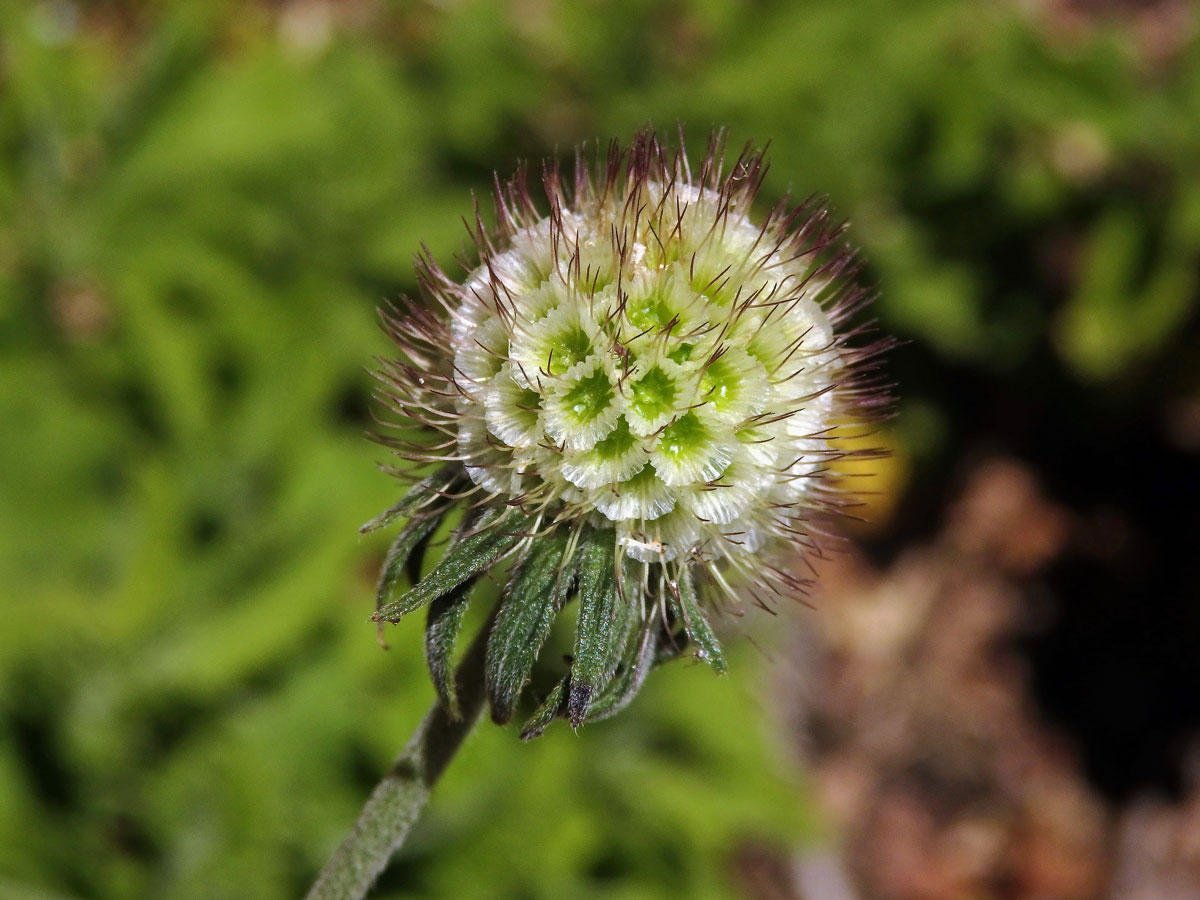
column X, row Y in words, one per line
column 873, row 475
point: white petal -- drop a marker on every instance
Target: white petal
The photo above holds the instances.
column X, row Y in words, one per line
column 513, row 413
column 642, row 497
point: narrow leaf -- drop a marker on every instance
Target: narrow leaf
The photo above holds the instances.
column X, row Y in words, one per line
column 407, row 546
column 537, row 591
column 421, row 493
column 416, row 559
column 441, row 630
column 488, row 541
column 602, row 630
column 686, row 608
column 550, row 710
column 625, row 687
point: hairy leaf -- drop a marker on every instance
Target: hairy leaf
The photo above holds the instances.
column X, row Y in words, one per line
column 686, row 608
column 550, row 710
column 604, row 619
column 538, row 590
column 424, row 492
column 407, row 548
column 441, row 629
column 474, row 553
column 626, row 686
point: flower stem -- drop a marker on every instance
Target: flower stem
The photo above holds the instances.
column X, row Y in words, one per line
column 400, row 797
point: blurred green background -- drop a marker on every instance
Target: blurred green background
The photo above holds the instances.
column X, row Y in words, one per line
column 202, row 204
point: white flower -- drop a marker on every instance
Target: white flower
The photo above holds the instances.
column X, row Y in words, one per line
column 648, row 359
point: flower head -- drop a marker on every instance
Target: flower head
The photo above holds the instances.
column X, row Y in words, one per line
column 637, row 393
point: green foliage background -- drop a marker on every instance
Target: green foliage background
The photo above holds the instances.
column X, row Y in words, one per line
column 200, row 206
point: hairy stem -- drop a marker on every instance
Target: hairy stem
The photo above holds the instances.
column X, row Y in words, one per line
column 398, row 800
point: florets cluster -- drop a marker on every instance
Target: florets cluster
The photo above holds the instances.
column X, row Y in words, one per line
column 645, row 360
column 653, row 359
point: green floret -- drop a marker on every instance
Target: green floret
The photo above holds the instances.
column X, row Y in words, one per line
column 654, row 394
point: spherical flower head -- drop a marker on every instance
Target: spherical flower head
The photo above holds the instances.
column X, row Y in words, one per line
column 649, row 381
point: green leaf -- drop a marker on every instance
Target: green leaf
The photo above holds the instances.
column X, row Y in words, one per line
column 407, row 547
column 686, row 608
column 550, row 710
column 604, row 619
column 495, row 534
column 441, row 630
column 536, row 593
column 420, row 494
column 625, row 687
